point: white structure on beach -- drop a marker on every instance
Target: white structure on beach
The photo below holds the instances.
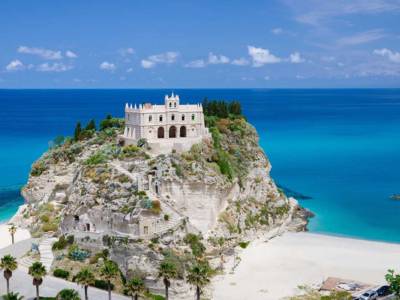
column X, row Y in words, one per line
column 165, row 127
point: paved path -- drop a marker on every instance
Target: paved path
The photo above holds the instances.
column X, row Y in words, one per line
column 21, row 282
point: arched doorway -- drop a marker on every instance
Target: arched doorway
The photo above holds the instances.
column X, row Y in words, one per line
column 172, row 132
column 160, row 132
column 182, row 131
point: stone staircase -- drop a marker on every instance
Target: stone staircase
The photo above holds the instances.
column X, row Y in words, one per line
column 46, row 255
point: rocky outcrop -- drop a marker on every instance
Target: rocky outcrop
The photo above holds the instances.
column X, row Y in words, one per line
column 121, row 197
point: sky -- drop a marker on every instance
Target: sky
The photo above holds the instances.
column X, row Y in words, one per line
column 200, row 44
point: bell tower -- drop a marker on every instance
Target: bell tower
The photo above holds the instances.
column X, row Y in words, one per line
column 172, row 102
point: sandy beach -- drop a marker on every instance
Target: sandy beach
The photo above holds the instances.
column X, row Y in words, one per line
column 5, row 237
column 274, row 269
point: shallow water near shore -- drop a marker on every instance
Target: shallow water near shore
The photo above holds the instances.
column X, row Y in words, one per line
column 339, row 147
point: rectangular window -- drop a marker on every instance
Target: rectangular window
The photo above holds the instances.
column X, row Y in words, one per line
column 145, row 230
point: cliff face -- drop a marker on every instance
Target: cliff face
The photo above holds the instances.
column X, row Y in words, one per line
column 103, row 194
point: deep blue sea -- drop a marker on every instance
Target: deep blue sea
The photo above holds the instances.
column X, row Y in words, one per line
column 340, row 147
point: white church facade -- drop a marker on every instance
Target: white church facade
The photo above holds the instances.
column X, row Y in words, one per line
column 167, row 127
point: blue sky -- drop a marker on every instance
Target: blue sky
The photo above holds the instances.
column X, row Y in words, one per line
column 197, row 44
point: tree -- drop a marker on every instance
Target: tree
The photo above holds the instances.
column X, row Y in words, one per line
column 9, row 264
column 37, row 271
column 68, row 294
column 78, row 131
column 167, row 270
column 91, row 125
column 235, row 108
column 199, row 276
column 394, row 282
column 12, row 296
column 109, row 271
column 12, row 229
column 85, row 278
column 134, row 287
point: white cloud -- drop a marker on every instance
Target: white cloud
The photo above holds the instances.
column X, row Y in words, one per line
column 240, row 62
column 147, row 64
column 198, row 63
column 41, row 52
column 262, row 56
column 217, row 59
column 15, row 65
column 126, row 51
column 53, row 67
column 70, row 54
column 107, row 66
column 317, row 12
column 129, row 70
column 277, row 31
column 164, row 58
column 361, row 38
column 296, row 58
column 169, row 57
column 391, row 55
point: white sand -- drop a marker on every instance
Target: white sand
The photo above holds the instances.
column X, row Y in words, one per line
column 5, row 236
column 274, row 269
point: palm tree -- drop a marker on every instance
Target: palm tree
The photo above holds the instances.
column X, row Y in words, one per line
column 85, row 278
column 9, row 264
column 68, row 294
column 12, row 229
column 12, row 296
column 167, row 271
column 134, row 287
column 109, row 271
column 37, row 270
column 199, row 276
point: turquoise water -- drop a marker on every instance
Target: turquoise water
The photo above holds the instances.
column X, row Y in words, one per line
column 340, row 147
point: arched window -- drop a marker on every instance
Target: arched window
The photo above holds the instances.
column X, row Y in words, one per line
column 160, row 132
column 170, row 104
column 182, row 131
column 160, row 118
column 150, row 118
column 173, row 117
column 174, row 104
column 193, row 117
column 183, row 117
column 172, row 132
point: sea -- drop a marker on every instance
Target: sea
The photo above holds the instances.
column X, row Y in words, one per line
column 337, row 150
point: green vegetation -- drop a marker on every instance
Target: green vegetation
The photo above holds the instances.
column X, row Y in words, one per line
column 109, row 271
column 37, row 271
column 77, row 254
column 63, row 242
column 394, row 282
column 135, row 287
column 61, row 273
column 110, row 122
column 243, row 245
column 8, row 264
column 199, row 276
column 85, row 278
column 12, row 296
column 12, row 229
column 38, row 168
column 167, row 271
column 68, row 294
column 311, row 294
column 194, row 241
column 96, row 159
column 221, row 108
